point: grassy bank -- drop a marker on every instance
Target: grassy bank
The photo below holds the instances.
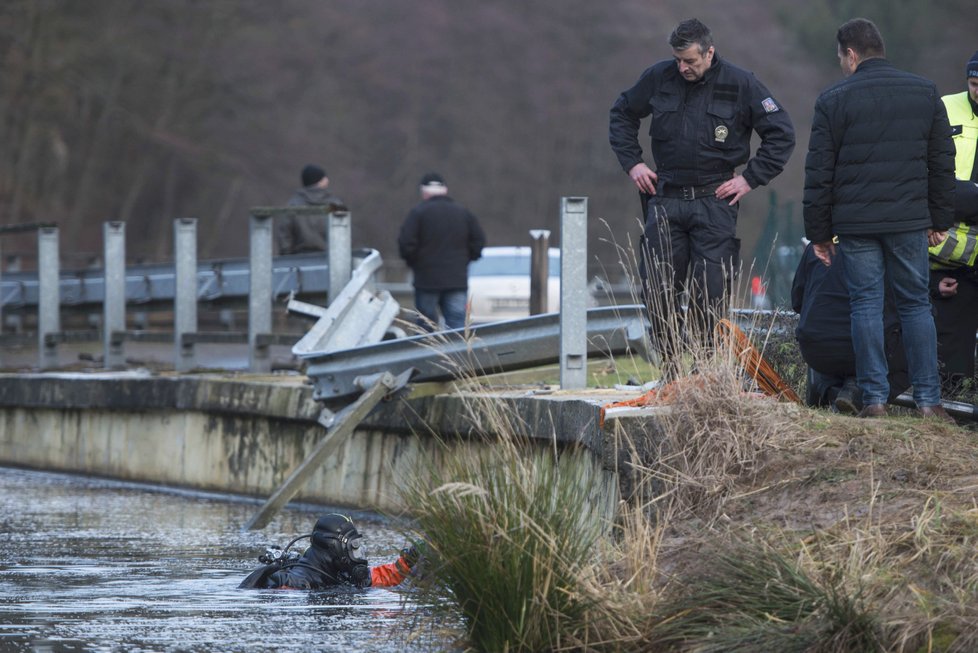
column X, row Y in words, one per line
column 754, row 525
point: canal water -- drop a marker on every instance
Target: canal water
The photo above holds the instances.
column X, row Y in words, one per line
column 95, row 565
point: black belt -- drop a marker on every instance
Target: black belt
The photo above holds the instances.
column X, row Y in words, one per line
column 688, row 192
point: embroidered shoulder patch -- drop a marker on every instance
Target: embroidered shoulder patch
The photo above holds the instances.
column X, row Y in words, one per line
column 770, row 106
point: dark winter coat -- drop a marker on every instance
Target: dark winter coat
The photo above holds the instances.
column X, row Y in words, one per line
column 820, row 296
column 701, row 131
column 295, row 233
column 438, row 240
column 880, row 158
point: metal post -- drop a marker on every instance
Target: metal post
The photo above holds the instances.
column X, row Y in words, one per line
column 339, row 241
column 260, row 292
column 539, row 270
column 114, row 316
column 49, row 297
column 573, row 293
column 1, row 294
column 185, row 291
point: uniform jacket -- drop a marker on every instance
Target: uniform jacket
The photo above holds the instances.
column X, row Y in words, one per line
column 295, row 234
column 964, row 131
column 960, row 245
column 701, row 131
column 880, row 158
column 438, row 240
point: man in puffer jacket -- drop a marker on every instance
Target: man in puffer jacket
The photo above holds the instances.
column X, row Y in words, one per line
column 880, row 176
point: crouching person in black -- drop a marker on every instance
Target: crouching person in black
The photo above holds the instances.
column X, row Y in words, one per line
column 337, row 557
column 821, row 298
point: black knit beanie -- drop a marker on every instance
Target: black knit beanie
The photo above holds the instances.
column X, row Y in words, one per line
column 312, row 175
column 971, row 70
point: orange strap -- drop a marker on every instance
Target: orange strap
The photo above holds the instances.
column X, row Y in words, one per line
column 754, row 364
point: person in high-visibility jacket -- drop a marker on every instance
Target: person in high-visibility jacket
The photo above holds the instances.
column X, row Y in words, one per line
column 337, row 557
column 954, row 277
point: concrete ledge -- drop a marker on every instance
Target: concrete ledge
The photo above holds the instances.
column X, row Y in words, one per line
column 244, row 433
column 279, row 397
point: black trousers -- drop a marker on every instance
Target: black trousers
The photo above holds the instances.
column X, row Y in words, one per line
column 956, row 319
column 690, row 254
column 831, row 362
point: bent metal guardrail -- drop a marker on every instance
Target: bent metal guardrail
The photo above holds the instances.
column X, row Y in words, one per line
column 484, row 349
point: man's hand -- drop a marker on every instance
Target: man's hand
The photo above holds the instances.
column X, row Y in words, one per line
column 824, row 252
column 734, row 188
column 644, row 178
column 935, row 238
column 948, row 287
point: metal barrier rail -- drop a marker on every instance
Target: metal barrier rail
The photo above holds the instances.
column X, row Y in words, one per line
column 485, row 349
column 182, row 285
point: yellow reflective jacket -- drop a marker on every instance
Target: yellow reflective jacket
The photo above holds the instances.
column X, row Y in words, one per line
column 960, row 247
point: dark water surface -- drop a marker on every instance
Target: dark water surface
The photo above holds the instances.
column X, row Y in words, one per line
column 95, row 565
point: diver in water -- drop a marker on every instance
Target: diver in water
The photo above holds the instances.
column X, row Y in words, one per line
column 337, row 557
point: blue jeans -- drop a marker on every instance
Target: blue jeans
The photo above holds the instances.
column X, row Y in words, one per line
column 902, row 258
column 451, row 304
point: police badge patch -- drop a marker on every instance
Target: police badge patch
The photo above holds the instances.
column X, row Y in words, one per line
column 770, row 106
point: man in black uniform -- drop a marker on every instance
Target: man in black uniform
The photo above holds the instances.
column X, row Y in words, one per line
column 703, row 111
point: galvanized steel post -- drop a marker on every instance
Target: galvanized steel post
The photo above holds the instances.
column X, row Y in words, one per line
column 539, row 270
column 1, row 291
column 573, row 293
column 114, row 308
column 339, row 241
column 185, row 291
column 49, row 297
column 260, row 292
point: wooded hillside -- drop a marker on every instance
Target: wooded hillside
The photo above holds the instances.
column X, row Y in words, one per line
column 152, row 110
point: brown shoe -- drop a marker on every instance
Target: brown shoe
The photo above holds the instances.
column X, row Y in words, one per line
column 873, row 410
column 936, row 411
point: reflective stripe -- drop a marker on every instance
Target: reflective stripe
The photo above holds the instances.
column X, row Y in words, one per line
column 958, row 249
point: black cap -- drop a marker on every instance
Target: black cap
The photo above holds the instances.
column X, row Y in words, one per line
column 432, row 179
column 971, row 70
column 312, row 174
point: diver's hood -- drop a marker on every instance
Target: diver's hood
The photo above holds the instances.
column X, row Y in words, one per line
column 336, row 536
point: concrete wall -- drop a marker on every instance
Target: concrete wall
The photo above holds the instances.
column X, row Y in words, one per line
column 245, row 434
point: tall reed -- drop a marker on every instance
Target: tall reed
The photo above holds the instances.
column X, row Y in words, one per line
column 512, row 531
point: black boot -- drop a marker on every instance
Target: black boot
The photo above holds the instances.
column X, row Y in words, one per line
column 849, row 399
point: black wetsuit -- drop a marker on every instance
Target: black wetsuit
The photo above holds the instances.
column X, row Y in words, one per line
column 313, row 571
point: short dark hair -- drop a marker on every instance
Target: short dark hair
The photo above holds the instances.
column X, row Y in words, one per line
column 862, row 36
column 689, row 32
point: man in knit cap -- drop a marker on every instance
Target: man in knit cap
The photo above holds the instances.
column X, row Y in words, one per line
column 296, row 233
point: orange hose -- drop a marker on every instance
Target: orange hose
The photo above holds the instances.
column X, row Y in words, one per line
column 768, row 380
column 754, row 364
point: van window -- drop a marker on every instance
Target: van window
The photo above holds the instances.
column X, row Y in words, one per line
column 505, row 266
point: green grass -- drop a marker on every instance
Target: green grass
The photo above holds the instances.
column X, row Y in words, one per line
column 511, row 535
